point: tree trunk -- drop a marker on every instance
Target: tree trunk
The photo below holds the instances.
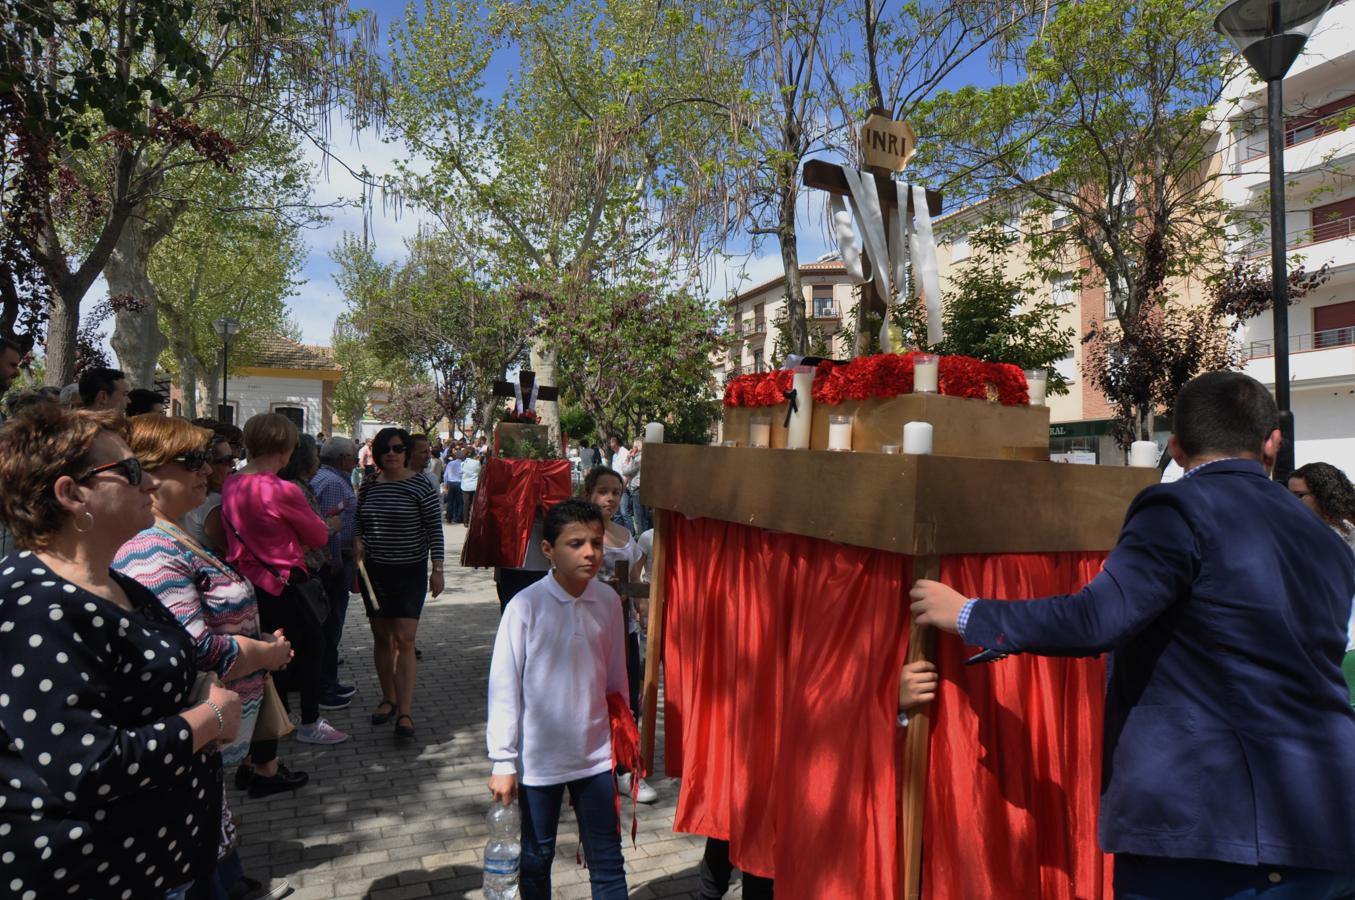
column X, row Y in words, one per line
column 543, row 359
column 797, row 326
column 62, row 327
column 189, row 378
column 137, row 338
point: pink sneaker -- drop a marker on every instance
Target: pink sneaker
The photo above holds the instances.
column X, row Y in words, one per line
column 320, row 732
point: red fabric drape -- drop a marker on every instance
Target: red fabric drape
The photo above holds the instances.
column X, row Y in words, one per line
column 782, row 656
column 510, row 493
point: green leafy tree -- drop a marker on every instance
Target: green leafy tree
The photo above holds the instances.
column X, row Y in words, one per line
column 361, row 374
column 1110, row 160
column 993, row 316
column 594, row 154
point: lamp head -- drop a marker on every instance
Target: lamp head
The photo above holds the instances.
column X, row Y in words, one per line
column 1270, row 34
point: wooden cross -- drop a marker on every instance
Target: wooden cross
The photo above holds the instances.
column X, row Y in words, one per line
column 826, row 176
column 526, row 378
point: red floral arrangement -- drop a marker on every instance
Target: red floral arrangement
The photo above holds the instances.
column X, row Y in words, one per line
column 882, row 376
column 524, row 416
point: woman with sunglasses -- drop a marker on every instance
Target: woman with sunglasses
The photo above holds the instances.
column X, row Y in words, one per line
column 269, row 527
column 1327, row 491
column 398, row 529
column 213, row 602
column 203, row 522
column 104, row 749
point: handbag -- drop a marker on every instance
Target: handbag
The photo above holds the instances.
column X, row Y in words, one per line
column 272, row 722
column 307, row 592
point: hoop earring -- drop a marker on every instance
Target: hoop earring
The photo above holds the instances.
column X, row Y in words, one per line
column 87, row 528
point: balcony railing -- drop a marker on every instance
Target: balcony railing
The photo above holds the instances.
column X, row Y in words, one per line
column 1320, row 231
column 825, row 311
column 757, row 326
column 1317, row 340
column 1302, row 133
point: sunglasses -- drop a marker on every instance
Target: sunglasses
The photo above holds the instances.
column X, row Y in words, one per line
column 194, row 460
column 129, row 468
column 395, row 448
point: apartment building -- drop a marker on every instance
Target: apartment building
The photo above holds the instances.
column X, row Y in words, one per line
column 1319, row 162
column 750, row 342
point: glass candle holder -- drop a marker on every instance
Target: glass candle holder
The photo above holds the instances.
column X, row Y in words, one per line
column 891, row 449
column 1037, row 382
column 917, row 438
column 729, row 443
column 760, row 431
column 840, row 432
column 926, row 373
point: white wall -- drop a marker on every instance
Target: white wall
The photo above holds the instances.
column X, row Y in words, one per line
column 1323, row 421
column 254, row 394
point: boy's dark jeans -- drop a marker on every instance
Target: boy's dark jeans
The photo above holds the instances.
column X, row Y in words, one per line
column 337, row 579
column 594, row 801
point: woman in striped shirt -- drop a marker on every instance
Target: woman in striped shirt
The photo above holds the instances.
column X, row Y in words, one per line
column 398, row 529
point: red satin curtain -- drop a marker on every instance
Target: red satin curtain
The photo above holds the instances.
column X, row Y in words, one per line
column 510, row 493
column 782, row 656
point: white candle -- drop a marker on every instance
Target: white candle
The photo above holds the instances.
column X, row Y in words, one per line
column 1037, row 381
column 926, row 374
column 760, row 432
column 802, row 414
column 654, row 433
column 1143, row 454
column 839, row 432
column 917, row 438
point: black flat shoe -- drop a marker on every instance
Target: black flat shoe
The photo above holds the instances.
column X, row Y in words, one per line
column 285, row 780
column 404, row 732
column 244, row 775
column 381, row 718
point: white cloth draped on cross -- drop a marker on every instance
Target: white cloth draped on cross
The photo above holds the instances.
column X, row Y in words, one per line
column 877, row 237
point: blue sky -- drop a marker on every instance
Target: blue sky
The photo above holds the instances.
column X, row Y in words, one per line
column 319, row 301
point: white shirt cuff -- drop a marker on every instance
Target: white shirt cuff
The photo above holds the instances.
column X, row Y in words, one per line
column 505, row 767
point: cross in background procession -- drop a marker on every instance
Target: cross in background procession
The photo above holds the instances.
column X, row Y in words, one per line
column 525, row 391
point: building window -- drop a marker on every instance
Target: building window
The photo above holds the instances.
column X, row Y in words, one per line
column 757, row 361
column 759, row 318
column 1063, row 289
column 959, row 248
column 295, row 413
column 824, row 308
column 1061, row 218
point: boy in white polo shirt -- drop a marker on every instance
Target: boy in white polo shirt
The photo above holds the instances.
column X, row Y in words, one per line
column 559, row 652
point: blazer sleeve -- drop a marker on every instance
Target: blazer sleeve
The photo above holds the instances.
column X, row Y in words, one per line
column 1152, row 566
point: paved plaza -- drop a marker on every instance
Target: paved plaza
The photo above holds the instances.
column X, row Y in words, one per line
column 387, row 821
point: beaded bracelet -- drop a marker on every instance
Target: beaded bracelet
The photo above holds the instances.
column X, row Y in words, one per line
column 220, row 719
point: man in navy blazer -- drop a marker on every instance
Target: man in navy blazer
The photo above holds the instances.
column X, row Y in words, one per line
column 1229, row 767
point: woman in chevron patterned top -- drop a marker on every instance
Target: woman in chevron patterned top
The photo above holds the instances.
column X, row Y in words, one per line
column 213, row 602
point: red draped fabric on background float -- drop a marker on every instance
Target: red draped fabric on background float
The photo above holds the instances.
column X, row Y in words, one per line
column 782, row 656
column 511, row 493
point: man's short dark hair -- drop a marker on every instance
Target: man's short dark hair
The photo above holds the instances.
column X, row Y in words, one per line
column 96, row 380
column 567, row 512
column 143, row 400
column 7, row 344
column 1224, row 412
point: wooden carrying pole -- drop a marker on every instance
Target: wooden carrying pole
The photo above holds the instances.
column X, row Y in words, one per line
column 913, row 789
column 649, row 701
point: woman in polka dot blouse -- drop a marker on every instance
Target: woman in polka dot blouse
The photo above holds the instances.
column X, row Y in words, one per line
column 110, row 783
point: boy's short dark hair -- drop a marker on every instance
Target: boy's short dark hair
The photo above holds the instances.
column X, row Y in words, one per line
column 7, row 344
column 567, row 512
column 99, row 379
column 1224, row 412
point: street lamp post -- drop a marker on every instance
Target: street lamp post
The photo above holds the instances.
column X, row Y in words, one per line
column 1270, row 35
column 226, row 328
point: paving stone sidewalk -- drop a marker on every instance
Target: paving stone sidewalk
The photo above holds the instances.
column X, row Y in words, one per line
column 386, row 821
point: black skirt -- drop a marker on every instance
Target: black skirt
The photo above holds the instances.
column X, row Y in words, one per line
column 400, row 589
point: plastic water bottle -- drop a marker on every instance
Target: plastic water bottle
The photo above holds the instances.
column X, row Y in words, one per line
column 502, row 852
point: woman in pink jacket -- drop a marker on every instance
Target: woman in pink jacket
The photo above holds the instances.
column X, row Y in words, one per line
column 269, row 527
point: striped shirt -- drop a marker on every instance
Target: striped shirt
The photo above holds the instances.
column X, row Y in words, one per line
column 400, row 521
